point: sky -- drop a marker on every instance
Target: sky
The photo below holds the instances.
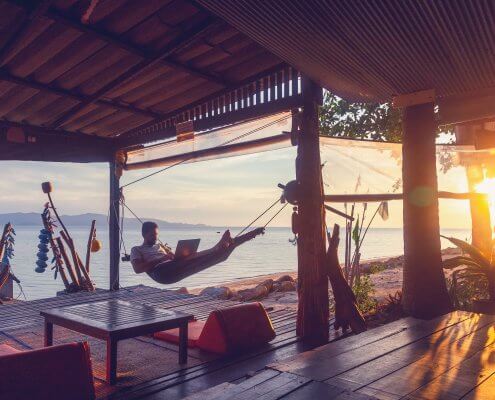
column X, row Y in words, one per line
column 226, row 192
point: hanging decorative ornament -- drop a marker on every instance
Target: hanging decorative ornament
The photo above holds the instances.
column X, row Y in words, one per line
column 42, row 255
column 95, row 245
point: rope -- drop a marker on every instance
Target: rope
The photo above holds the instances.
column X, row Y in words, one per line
column 258, row 217
column 278, row 212
column 220, row 145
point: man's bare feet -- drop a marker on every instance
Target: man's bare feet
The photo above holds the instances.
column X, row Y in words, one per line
column 225, row 241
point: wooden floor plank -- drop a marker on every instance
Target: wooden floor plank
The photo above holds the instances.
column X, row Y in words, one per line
column 443, row 349
column 339, row 359
column 315, row 390
column 484, row 391
column 459, row 381
column 227, row 391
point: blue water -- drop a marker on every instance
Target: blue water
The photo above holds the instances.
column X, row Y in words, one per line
column 266, row 254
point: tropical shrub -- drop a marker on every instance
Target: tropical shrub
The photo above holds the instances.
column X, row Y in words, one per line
column 473, row 274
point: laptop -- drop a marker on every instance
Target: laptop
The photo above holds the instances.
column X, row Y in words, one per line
column 186, row 248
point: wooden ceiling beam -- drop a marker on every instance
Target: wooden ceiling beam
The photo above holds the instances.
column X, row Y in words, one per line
column 17, row 32
column 59, row 133
column 33, row 143
column 6, row 76
column 107, row 37
column 183, row 40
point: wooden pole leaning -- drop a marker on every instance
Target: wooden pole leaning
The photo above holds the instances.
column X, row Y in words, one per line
column 92, row 233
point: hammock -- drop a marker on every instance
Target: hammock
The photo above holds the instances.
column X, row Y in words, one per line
column 177, row 270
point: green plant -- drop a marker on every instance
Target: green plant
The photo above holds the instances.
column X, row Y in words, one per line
column 476, row 278
column 377, row 268
column 364, row 289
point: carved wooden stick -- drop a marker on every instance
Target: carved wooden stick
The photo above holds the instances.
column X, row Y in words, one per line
column 80, row 270
column 56, row 253
column 68, row 265
column 90, row 241
column 6, row 230
column 347, row 313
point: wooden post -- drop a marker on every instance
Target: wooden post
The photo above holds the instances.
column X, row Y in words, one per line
column 479, row 207
column 424, row 289
column 113, row 226
column 313, row 311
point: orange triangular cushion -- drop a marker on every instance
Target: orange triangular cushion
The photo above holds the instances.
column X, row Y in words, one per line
column 239, row 327
column 172, row 335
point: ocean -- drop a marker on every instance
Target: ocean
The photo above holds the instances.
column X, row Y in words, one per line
column 270, row 253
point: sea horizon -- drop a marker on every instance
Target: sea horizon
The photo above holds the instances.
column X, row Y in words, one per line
column 267, row 254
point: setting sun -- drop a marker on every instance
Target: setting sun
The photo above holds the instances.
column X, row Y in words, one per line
column 487, row 186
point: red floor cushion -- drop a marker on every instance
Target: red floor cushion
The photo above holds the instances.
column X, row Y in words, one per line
column 240, row 327
column 194, row 330
column 51, row 373
column 6, row 349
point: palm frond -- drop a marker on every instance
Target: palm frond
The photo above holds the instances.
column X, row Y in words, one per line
column 454, row 262
column 472, row 251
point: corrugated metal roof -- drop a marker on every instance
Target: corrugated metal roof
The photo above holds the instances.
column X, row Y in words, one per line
column 375, row 49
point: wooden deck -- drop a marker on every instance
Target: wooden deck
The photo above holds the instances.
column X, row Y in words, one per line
column 148, row 368
column 452, row 357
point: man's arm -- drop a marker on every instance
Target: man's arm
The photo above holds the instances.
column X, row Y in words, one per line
column 140, row 266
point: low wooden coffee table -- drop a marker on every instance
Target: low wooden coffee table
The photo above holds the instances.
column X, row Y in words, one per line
column 114, row 320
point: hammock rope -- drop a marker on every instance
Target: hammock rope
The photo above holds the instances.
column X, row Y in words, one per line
column 122, row 203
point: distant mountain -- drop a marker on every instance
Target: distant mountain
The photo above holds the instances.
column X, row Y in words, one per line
column 30, row 219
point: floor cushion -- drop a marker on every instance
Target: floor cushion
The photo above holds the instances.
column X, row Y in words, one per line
column 240, row 327
column 194, row 330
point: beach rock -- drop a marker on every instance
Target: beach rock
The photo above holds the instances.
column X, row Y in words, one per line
column 268, row 284
column 285, row 278
column 258, row 293
column 287, row 286
column 182, row 290
column 221, row 293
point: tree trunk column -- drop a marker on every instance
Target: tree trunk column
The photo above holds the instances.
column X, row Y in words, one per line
column 113, row 225
column 313, row 310
column 424, row 289
column 480, row 209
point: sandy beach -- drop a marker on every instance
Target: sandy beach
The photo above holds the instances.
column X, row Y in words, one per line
column 385, row 275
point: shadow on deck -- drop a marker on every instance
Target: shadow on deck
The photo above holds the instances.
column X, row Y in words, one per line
column 451, row 357
column 148, row 368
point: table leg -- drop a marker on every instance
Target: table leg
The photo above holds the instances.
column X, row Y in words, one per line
column 111, row 361
column 48, row 333
column 183, row 343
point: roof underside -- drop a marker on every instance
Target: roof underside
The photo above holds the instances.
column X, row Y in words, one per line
column 373, row 50
column 131, row 64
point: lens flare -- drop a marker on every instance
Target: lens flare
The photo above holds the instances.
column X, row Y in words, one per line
column 487, row 186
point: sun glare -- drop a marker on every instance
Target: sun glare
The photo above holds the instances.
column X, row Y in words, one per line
column 487, row 186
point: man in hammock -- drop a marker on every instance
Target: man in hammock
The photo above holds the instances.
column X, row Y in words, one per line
column 162, row 266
